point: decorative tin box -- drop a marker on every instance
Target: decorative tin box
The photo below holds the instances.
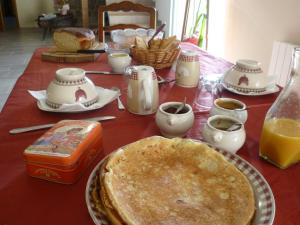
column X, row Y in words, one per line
column 63, row 152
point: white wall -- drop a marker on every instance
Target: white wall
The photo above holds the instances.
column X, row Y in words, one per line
column 28, row 11
column 178, row 17
column 247, row 28
column 164, row 13
column 171, row 12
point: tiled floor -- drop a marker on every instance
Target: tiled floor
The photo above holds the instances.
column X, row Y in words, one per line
column 16, row 48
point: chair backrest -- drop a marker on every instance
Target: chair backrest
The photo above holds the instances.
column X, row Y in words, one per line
column 125, row 6
column 2, row 26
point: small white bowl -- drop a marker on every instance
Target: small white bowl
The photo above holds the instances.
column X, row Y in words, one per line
column 217, row 132
column 119, row 61
column 71, row 86
column 171, row 124
column 246, row 76
column 230, row 107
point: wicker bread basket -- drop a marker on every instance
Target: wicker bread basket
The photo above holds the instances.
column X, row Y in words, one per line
column 157, row 58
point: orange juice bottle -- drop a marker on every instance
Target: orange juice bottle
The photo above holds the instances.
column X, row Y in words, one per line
column 280, row 139
column 280, row 142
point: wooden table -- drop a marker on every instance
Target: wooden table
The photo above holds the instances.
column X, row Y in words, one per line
column 27, row 200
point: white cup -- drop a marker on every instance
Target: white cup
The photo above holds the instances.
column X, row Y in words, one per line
column 119, row 61
column 224, row 132
column 230, row 107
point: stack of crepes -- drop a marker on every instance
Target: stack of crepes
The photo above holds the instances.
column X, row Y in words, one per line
column 173, row 181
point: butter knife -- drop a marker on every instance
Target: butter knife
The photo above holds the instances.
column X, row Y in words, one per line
column 44, row 126
column 91, row 51
column 98, row 72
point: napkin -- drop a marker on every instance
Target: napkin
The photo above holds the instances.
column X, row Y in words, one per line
column 105, row 96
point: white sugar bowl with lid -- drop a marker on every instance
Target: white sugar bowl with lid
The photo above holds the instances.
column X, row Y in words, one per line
column 246, row 76
column 71, row 86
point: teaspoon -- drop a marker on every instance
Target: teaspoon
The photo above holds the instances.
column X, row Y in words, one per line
column 181, row 106
column 120, row 104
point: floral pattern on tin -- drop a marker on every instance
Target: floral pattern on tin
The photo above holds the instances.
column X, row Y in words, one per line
column 62, row 139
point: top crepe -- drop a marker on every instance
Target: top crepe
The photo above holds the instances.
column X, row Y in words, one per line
column 176, row 181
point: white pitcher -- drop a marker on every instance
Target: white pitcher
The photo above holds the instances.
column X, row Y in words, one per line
column 142, row 93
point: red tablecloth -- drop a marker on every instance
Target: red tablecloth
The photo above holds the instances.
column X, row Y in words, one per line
column 27, row 200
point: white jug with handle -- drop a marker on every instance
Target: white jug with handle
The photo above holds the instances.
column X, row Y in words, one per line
column 142, row 93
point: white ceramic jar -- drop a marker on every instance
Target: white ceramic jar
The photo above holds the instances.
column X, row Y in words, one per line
column 230, row 107
column 119, row 61
column 171, row 124
column 224, row 132
column 71, row 86
column 188, row 69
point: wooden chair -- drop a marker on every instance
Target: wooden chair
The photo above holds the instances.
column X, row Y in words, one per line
column 2, row 25
column 123, row 6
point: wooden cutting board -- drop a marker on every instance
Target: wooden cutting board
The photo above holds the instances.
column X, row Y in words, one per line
column 54, row 54
column 67, row 57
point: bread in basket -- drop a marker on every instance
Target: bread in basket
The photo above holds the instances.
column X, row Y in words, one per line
column 159, row 54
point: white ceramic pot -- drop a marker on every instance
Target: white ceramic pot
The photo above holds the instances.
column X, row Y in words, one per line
column 188, row 69
column 224, row 132
column 119, row 61
column 71, row 86
column 245, row 76
column 174, row 125
column 230, row 107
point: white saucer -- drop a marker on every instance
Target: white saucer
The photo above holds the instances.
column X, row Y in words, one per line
column 105, row 96
column 270, row 89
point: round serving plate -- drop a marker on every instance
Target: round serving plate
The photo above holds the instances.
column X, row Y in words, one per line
column 264, row 199
column 245, row 90
column 270, row 89
column 105, row 96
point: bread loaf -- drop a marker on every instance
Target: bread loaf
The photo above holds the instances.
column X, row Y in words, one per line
column 73, row 38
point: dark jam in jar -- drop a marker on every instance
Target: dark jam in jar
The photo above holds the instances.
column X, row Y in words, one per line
column 173, row 108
